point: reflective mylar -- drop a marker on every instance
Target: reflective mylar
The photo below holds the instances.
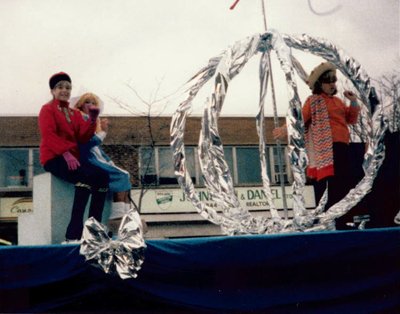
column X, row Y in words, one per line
column 123, row 255
column 232, row 218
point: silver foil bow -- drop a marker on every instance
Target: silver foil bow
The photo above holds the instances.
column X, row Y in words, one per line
column 123, row 255
column 232, row 218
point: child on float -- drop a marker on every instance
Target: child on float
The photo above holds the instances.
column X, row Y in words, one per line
column 326, row 119
column 91, row 152
column 61, row 130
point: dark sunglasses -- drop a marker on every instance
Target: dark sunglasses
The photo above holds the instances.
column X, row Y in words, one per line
column 328, row 80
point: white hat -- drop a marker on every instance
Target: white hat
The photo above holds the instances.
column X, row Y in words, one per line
column 318, row 71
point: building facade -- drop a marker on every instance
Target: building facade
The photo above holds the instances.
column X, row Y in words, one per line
column 141, row 146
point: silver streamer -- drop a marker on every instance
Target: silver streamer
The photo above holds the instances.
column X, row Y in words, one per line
column 123, row 255
column 232, row 218
column 260, row 119
column 294, row 121
column 216, row 172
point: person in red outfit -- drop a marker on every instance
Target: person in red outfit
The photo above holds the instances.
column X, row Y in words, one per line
column 61, row 130
column 326, row 120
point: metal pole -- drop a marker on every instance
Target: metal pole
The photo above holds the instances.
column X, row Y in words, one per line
column 276, row 122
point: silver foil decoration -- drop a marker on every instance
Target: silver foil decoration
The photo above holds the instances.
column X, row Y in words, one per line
column 123, row 255
column 260, row 119
column 294, row 121
column 232, row 218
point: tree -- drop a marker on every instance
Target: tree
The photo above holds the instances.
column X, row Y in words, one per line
column 153, row 108
column 389, row 92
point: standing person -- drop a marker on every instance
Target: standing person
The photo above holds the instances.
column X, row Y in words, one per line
column 61, row 129
column 92, row 153
column 326, row 120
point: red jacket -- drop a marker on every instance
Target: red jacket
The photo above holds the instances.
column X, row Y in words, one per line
column 61, row 132
column 340, row 116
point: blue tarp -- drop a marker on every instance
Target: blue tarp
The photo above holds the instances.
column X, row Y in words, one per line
column 327, row 272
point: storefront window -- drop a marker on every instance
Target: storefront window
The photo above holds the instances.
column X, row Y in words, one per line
column 279, row 163
column 191, row 164
column 37, row 167
column 14, row 167
column 248, row 165
column 160, row 169
column 243, row 163
column 148, row 174
column 166, row 167
column 228, row 154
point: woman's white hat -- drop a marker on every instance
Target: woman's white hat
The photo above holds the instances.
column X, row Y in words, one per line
column 318, row 71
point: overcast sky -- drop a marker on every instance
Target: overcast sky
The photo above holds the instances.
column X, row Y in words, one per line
column 109, row 46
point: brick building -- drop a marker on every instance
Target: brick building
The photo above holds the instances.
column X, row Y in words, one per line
column 129, row 143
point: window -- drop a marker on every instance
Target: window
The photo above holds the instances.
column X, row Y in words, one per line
column 248, row 165
column 228, row 153
column 37, row 167
column 18, row 166
column 148, row 173
column 276, row 165
column 166, row 166
column 14, row 168
column 157, row 165
column 157, row 168
column 190, row 153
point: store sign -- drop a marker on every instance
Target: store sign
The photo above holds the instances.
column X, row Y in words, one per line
column 250, row 198
column 11, row 207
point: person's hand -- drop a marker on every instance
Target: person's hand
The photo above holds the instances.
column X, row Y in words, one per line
column 104, row 124
column 280, row 133
column 93, row 113
column 71, row 160
column 350, row 95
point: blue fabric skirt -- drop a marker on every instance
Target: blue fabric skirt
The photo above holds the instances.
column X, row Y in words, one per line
column 119, row 178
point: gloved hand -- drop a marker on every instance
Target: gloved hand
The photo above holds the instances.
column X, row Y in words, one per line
column 71, row 160
column 93, row 113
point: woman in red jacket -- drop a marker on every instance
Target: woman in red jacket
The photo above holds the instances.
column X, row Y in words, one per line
column 62, row 129
column 326, row 120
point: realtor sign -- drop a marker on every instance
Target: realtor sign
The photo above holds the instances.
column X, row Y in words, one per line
column 251, row 198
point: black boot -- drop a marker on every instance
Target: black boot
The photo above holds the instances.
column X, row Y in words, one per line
column 97, row 205
column 75, row 227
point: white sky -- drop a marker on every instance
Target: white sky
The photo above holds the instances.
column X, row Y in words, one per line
column 105, row 45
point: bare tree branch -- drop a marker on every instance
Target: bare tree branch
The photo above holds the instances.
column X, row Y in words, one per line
column 154, row 107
